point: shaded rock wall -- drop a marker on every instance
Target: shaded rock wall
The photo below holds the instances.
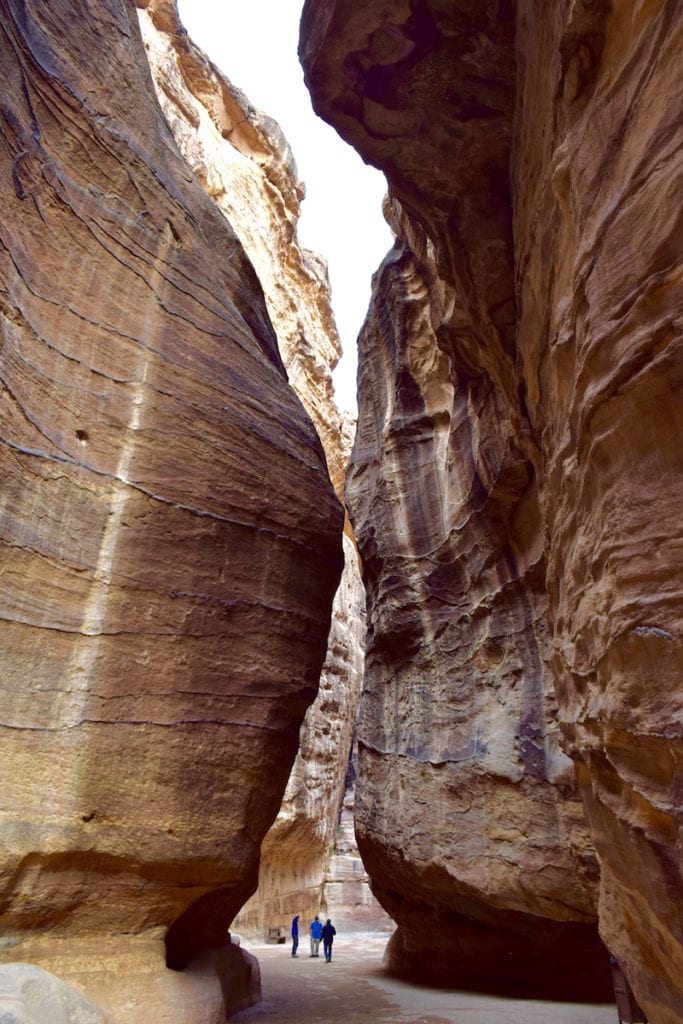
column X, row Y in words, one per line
column 348, row 898
column 598, row 233
column 297, row 850
column 515, row 474
column 242, row 160
column 166, row 510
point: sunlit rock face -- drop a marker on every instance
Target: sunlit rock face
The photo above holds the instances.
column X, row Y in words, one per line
column 515, row 478
column 242, row 160
column 171, row 538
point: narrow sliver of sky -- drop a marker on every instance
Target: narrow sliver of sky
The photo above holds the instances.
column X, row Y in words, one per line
column 254, row 44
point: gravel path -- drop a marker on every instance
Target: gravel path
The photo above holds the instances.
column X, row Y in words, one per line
column 353, row 990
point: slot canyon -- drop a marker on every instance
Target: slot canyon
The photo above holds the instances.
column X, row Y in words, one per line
column 421, row 672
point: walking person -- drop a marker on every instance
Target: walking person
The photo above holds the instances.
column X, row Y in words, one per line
column 328, row 933
column 295, row 935
column 315, row 930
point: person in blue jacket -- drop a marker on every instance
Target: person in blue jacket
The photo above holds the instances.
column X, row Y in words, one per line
column 295, row 935
column 315, row 930
column 329, row 932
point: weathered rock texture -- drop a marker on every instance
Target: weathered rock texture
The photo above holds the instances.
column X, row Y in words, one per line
column 516, row 476
column 347, row 896
column 29, row 995
column 297, row 850
column 243, row 162
column 121, row 975
column 170, row 536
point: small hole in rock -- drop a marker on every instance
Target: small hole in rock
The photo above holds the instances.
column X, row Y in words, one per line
column 82, row 436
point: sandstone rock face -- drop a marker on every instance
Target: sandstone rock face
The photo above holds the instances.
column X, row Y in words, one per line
column 598, row 230
column 171, row 540
column 243, row 162
column 348, row 898
column 297, row 850
column 123, row 977
column 515, row 476
column 29, row 995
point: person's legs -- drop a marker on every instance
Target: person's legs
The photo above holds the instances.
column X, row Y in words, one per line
column 316, row 944
column 312, row 946
column 295, row 944
column 327, row 947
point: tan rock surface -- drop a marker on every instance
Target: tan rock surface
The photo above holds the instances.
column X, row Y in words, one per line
column 348, row 898
column 598, row 230
column 297, row 850
column 29, row 995
column 127, row 979
column 170, row 537
column 242, row 160
column 517, row 467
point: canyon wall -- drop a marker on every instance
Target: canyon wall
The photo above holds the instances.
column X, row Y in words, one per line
column 243, row 162
column 513, row 483
column 171, row 540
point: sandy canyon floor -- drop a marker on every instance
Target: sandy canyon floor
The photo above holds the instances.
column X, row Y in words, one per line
column 354, row 990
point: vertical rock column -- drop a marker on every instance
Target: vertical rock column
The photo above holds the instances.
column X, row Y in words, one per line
column 562, row 447
column 597, row 180
column 467, row 815
column 242, row 160
column 171, row 541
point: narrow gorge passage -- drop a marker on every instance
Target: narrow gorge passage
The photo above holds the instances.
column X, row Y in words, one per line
column 416, row 670
column 353, row 989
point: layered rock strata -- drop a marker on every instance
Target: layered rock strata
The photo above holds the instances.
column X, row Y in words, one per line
column 515, row 478
column 171, row 538
column 297, row 850
column 243, row 162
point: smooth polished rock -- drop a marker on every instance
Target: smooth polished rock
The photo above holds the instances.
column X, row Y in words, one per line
column 171, row 540
column 30, row 995
column 242, row 160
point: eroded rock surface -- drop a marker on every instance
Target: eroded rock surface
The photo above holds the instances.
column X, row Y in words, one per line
column 242, row 160
column 598, row 234
column 30, row 995
column 515, row 475
column 171, row 540
column 297, row 850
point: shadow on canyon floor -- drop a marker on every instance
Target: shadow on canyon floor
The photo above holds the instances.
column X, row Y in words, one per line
column 354, row 989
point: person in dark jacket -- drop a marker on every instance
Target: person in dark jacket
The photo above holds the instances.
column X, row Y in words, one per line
column 329, row 932
column 295, row 935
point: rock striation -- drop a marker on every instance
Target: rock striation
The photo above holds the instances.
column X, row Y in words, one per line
column 514, row 480
column 166, row 512
column 243, row 162
column 299, row 846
